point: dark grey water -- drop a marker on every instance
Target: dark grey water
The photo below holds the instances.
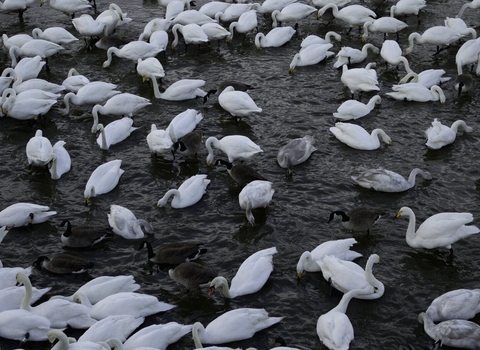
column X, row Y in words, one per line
column 293, row 106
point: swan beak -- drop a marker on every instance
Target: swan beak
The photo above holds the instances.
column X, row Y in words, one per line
column 398, row 215
column 363, row 40
column 121, row 16
column 390, row 143
column 42, row 2
column 291, row 70
column 208, row 163
column 4, row 111
column 30, row 219
column 211, row 290
column 173, row 47
column 299, row 275
column 86, row 201
column 144, row 79
column 319, row 15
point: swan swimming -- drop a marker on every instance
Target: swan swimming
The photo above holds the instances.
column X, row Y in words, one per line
column 439, row 135
column 384, row 180
column 256, row 194
column 188, row 194
column 357, row 137
column 125, row 224
column 103, row 179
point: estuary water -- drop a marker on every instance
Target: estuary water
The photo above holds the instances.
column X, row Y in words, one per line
column 293, row 105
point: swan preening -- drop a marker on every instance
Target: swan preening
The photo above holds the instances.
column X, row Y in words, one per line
column 384, row 180
column 103, row 179
column 23, row 214
column 256, row 194
column 124, row 223
column 439, row 135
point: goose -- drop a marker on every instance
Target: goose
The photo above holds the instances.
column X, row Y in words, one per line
column 408, row 7
column 92, row 93
column 183, row 123
column 9, row 275
column 238, row 103
column 359, row 79
column 65, row 343
column 188, row 145
column 191, row 274
column 61, row 161
column 115, row 132
column 358, row 219
column 103, row 179
column 124, row 303
column 468, row 53
column 256, row 194
column 461, row 304
column 436, row 35
column 15, row 5
column 339, row 248
column 292, row 12
column 474, row 4
column 334, row 328
column 275, row 38
column 251, row 276
column 150, row 68
column 74, row 81
column 439, row 135
column 175, row 7
column 181, row 90
column 460, row 26
column 192, row 34
column 463, row 83
column 62, row 264
column 384, row 180
column 357, row 137
column 60, row 313
column 211, row 8
column 354, row 15
column 87, row 26
column 83, row 236
column 15, row 40
column 189, row 192
column 11, row 297
column 246, row 23
column 159, row 141
column 57, row 35
column 349, row 55
column 157, row 336
column 35, row 47
column 310, row 55
column 174, row 253
column 383, row 25
column 22, row 325
column 116, row 326
column 315, row 39
column 427, row 78
column 234, row 146
column 455, row 333
column 241, row 173
column 439, row 230
column 353, row 109
column 101, row 287
column 417, row 92
column 295, row 152
column 268, row 6
column 232, row 12
column 392, row 53
column 125, row 224
column 239, row 86
column 154, row 25
column 190, row 17
column 110, row 41
column 233, row 325
column 110, row 19
column 23, row 214
column 132, row 51
column 26, row 109
column 39, row 150
column 68, row 7
column 215, row 31
column 125, row 104
column 346, row 276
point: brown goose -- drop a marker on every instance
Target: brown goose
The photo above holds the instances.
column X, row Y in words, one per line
column 174, row 253
column 358, row 219
column 84, row 236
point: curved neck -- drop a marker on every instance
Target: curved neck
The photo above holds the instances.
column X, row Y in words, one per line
column 13, row 51
column 211, row 141
column 332, row 6
column 406, row 78
column 72, row 72
column 392, row 11
column 95, row 111
column 110, row 51
column 411, row 41
column 258, row 39
column 366, row 47
column 63, row 342
column 412, row 176
column 104, row 138
column 437, row 93
column 82, row 299
column 137, row 227
column 175, row 34
column 36, row 32
column 156, row 90
column 224, row 284
column 405, row 63
column 171, row 192
column 231, row 28
column 379, row 133
column 66, row 100
column 369, row 271
column 462, row 124
column 328, row 36
column 411, row 226
column 464, row 7
column 197, row 331
column 274, row 18
column 27, row 299
column 343, row 304
column 371, row 103
column 7, row 92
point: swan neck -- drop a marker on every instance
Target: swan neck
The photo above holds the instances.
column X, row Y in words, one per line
column 104, row 139
column 175, row 34
column 156, row 90
column 258, row 39
column 369, row 277
column 197, row 331
column 411, row 226
column 164, row 199
column 66, row 100
column 343, row 304
column 458, row 124
column 81, row 298
column 225, row 289
column 27, row 299
column 12, row 52
column 110, row 51
column 95, row 110
column 413, row 175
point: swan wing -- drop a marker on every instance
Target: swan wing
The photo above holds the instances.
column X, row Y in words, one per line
column 352, row 135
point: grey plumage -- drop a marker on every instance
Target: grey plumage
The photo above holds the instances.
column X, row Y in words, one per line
column 175, row 253
column 358, row 219
column 463, row 83
column 235, row 84
column 63, row 264
column 241, row 173
column 189, row 144
column 84, row 236
column 110, row 41
column 191, row 274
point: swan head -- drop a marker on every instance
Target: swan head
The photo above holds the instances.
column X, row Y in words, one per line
column 216, row 283
column 89, row 192
column 305, row 258
column 401, row 212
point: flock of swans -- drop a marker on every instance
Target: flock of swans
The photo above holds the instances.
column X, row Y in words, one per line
column 110, row 308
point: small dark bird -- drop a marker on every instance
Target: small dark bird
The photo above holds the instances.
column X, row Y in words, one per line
column 171, row 254
column 191, row 274
column 241, row 173
column 62, row 264
column 189, row 144
column 358, row 219
column 84, row 236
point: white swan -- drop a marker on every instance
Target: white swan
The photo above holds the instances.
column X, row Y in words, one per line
column 346, row 276
column 16, row 5
column 246, row 23
column 39, row 150
column 9, row 275
column 211, row 8
column 439, row 135
column 150, row 68
column 237, row 103
column 460, row 304
column 115, row 326
column 69, row 343
column 25, row 109
column 74, row 81
column 292, row 12
column 29, row 67
column 353, row 109
column 339, row 248
column 115, row 132
column 124, row 303
column 23, row 325
column 474, row 4
column 295, row 152
column 121, row 104
column 124, row 223
column 181, row 90
column 101, row 287
column 92, row 93
column 57, row 35
column 183, row 123
column 354, row 15
column 275, row 38
column 23, row 214
column 11, row 297
column 455, row 333
column 19, row 85
column 154, row 25
column 61, row 313
column 132, row 51
column 407, row 7
column 383, row 25
column 310, row 55
column 31, row 93
column 439, row 230
column 234, row 325
column 268, row 6
column 192, row 34
column 157, row 336
column 110, row 18
column 357, row 137
column 189, row 192
column 437, row 35
column 234, row 146
column 392, row 53
column 232, row 12
column 61, row 162
column 384, row 180
column 256, row 194
column 468, row 53
column 15, row 40
column 349, row 55
column 315, row 39
column 35, row 47
column 103, row 179
column 359, row 79
column 251, row 276
column 460, row 26
column 159, row 141
column 427, row 78
column 417, row 92
column 68, row 7
column 192, row 16
column 86, row 25
column 334, row 328
column 6, row 79
column 175, row 7
column 215, row 31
